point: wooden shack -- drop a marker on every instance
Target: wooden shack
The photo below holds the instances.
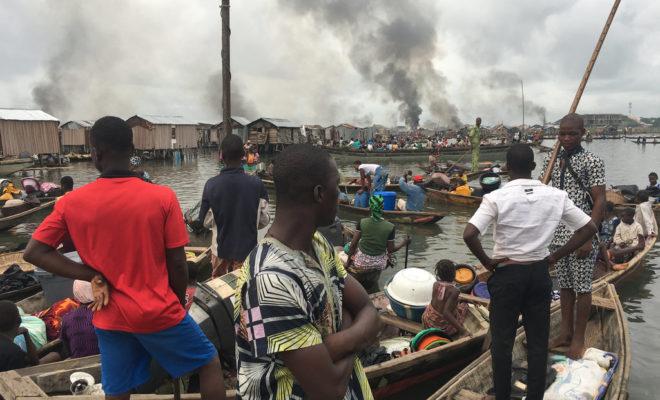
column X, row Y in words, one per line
column 238, row 127
column 28, row 132
column 272, row 134
column 345, row 132
column 75, row 136
column 161, row 134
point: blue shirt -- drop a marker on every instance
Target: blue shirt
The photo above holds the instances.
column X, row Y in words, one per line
column 416, row 196
column 234, row 198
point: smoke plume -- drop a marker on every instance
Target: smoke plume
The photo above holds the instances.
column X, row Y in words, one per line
column 392, row 45
column 240, row 106
column 505, row 85
column 128, row 57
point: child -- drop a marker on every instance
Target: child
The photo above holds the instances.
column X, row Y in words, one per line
column 644, row 214
column 607, row 229
column 445, row 312
column 654, row 187
column 11, row 356
column 628, row 238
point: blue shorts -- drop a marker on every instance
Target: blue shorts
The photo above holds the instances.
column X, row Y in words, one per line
column 125, row 357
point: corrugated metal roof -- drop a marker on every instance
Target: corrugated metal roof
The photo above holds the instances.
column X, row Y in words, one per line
column 12, row 114
column 167, row 119
column 240, row 120
column 281, row 122
column 85, row 123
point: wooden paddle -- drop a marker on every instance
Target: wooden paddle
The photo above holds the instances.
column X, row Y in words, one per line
column 405, row 264
column 583, row 84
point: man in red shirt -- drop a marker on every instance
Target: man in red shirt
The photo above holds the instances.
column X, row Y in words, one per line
column 130, row 235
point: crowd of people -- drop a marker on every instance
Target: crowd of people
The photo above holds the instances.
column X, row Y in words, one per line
column 300, row 317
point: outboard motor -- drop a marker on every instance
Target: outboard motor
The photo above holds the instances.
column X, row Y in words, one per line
column 213, row 310
column 489, row 182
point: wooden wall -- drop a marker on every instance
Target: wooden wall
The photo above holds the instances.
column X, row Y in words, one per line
column 34, row 137
column 158, row 138
column 73, row 137
column 186, row 137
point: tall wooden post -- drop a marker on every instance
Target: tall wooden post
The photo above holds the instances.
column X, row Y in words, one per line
column 226, row 73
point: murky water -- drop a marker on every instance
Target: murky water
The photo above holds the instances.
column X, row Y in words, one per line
column 626, row 163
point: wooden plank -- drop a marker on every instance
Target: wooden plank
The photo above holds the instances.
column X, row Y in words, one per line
column 14, row 386
column 474, row 299
column 602, row 302
column 59, row 381
column 401, row 323
column 72, row 364
column 465, row 394
column 230, row 394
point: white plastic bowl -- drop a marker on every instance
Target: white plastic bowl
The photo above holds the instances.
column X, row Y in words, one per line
column 412, row 286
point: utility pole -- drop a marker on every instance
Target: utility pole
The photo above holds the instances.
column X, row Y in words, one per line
column 226, row 73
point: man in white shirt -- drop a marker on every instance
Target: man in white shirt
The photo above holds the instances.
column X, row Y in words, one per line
column 644, row 213
column 525, row 214
column 371, row 175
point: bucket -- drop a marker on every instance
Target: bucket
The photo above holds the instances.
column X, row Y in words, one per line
column 481, row 290
column 389, row 200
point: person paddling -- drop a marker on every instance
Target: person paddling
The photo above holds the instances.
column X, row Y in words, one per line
column 525, row 214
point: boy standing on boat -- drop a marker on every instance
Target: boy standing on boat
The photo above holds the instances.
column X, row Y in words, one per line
column 234, row 197
column 581, row 174
column 474, row 134
column 138, row 271
column 300, row 318
column 525, row 213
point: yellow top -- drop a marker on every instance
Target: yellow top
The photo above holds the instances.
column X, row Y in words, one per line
column 463, row 190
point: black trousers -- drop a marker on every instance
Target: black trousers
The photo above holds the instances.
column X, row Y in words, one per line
column 520, row 289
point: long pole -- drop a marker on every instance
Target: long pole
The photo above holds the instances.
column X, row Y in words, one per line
column 583, row 84
column 522, row 91
column 226, row 72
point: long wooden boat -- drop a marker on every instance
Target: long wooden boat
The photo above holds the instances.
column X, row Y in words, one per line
column 344, row 187
column 10, row 165
column 50, row 381
column 444, row 197
column 606, row 330
column 486, row 153
column 400, row 217
column 13, row 220
column 398, row 374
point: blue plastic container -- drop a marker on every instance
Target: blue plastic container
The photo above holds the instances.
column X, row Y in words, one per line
column 389, row 200
column 481, row 290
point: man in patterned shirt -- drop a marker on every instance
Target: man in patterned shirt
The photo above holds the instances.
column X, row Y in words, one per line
column 582, row 175
column 300, row 318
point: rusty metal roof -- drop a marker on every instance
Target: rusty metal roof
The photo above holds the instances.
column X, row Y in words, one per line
column 166, row 119
column 12, row 114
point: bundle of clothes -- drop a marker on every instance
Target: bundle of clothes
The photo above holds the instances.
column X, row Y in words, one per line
column 14, row 278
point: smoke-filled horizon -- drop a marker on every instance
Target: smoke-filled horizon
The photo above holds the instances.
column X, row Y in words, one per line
column 414, row 62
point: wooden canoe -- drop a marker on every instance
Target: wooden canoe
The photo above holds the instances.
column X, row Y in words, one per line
column 13, row 220
column 607, row 330
column 398, row 374
column 399, row 217
column 444, row 197
column 344, row 187
column 50, row 381
column 487, row 153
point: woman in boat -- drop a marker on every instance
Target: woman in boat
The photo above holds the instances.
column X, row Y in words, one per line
column 373, row 241
column 78, row 335
column 445, row 312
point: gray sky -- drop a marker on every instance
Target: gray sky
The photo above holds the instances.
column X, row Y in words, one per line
column 323, row 62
